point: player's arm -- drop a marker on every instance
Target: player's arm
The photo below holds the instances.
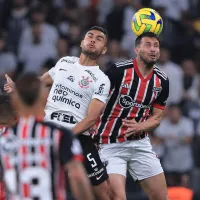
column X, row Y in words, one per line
column 46, row 79
column 9, row 87
column 154, row 120
column 71, row 158
column 95, row 108
column 78, row 179
column 94, row 111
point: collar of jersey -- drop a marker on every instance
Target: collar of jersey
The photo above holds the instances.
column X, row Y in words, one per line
column 93, row 66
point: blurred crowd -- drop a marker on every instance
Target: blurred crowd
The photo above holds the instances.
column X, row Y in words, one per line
column 34, row 34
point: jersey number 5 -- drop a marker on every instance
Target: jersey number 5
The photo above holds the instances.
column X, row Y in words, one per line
column 92, row 160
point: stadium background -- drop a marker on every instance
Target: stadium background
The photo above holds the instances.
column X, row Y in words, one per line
column 34, row 34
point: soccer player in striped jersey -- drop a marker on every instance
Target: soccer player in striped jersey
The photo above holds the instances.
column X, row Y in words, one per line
column 139, row 91
column 34, row 154
column 7, row 119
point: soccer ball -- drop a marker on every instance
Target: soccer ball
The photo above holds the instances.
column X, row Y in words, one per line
column 146, row 20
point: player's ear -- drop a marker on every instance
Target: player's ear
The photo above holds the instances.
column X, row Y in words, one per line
column 136, row 50
column 104, row 50
column 81, row 45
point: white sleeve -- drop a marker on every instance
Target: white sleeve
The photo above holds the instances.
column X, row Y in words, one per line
column 52, row 71
column 102, row 89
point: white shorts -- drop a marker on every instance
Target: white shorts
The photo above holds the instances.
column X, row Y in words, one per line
column 136, row 156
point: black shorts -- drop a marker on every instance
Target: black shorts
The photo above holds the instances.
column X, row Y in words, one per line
column 95, row 169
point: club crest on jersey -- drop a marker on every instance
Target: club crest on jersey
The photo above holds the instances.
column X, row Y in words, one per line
column 157, row 90
column 84, row 83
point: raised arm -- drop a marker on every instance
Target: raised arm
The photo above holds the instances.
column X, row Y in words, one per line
column 9, row 87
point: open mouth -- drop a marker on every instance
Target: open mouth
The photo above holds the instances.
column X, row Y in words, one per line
column 152, row 56
column 91, row 46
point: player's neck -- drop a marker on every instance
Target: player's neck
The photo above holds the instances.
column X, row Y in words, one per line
column 36, row 111
column 86, row 61
column 144, row 70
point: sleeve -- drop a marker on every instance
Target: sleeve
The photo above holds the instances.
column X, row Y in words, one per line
column 102, row 89
column 70, row 148
column 53, row 70
column 161, row 100
column 110, row 71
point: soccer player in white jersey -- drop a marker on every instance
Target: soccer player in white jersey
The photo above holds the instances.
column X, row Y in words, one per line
column 77, row 97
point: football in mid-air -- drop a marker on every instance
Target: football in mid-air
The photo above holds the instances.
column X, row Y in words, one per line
column 146, row 20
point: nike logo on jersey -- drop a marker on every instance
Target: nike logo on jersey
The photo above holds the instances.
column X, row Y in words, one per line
column 62, row 69
column 99, row 177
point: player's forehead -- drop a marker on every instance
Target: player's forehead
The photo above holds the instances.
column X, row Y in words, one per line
column 96, row 33
column 149, row 40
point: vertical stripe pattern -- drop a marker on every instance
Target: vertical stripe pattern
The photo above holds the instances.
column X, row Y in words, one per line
column 131, row 98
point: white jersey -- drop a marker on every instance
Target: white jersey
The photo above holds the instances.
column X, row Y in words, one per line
column 73, row 88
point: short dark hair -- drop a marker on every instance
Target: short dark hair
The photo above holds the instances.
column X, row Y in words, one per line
column 146, row 34
column 98, row 28
column 7, row 111
column 28, row 87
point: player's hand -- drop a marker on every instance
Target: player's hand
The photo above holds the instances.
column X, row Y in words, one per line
column 134, row 128
column 9, row 86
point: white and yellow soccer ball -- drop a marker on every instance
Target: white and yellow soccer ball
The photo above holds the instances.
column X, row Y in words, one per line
column 146, row 20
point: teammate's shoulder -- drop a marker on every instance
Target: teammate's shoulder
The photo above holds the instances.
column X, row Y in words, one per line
column 69, row 59
column 160, row 73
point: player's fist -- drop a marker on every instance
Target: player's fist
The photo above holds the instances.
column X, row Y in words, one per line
column 9, row 86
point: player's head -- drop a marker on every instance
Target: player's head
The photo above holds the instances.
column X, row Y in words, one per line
column 147, row 48
column 29, row 92
column 174, row 113
column 94, row 42
column 8, row 115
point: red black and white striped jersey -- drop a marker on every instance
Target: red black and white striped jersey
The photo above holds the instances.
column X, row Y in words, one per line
column 132, row 97
column 32, row 156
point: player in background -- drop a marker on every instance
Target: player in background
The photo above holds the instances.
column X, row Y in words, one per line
column 139, row 91
column 77, row 97
column 7, row 118
column 30, row 151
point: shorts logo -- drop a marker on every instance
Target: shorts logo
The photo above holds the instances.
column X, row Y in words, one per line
column 84, row 83
column 98, row 177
